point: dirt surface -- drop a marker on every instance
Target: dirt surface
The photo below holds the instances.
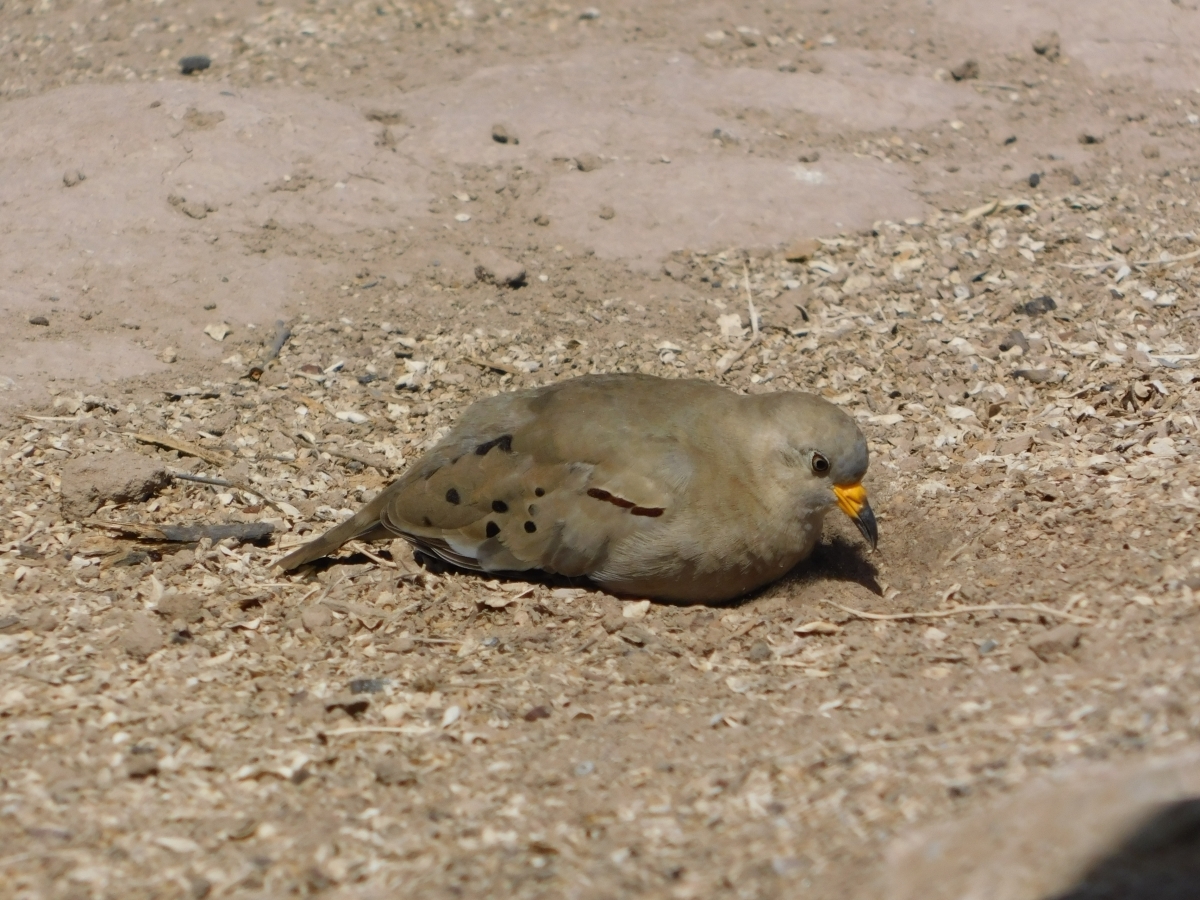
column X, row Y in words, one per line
column 989, row 264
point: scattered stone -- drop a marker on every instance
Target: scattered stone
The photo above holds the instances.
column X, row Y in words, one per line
column 965, row 71
column 607, row 212
column 675, row 269
column 541, row 219
column 169, row 355
column 141, row 636
column 1034, row 376
column 538, row 712
column 1039, row 305
column 1047, row 44
column 1150, row 151
column 38, row 320
column 1022, row 659
column 760, row 652
column 1014, row 339
column 502, row 134
column 492, row 268
column 588, row 162
column 217, row 331
column 1086, row 137
column 809, row 156
column 142, row 763
column 316, row 617
column 368, row 685
column 802, row 250
column 120, row 477
column 394, row 772
column 1056, row 642
column 72, row 177
column 182, row 607
column 191, row 64
column 1035, row 179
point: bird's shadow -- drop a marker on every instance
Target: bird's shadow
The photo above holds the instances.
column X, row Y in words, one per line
column 834, row 559
column 1160, row 860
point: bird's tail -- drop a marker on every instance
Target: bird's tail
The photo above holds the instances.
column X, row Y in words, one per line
column 364, row 525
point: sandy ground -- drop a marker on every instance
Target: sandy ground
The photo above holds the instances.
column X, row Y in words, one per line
column 969, row 224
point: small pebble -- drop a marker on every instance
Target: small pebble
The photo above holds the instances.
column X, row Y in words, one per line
column 607, row 212
column 501, row 134
column 38, row 320
column 1035, row 179
column 191, row 64
column 965, row 71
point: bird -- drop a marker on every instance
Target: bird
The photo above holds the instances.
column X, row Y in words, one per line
column 677, row 490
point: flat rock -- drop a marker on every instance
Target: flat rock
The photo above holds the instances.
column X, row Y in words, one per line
column 91, row 481
column 1096, row 830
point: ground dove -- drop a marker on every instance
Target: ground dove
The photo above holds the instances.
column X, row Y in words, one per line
column 651, row 487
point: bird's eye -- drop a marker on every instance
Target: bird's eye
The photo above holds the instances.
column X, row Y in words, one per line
column 820, row 464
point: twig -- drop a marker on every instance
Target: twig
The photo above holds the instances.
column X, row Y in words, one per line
column 750, row 302
column 183, row 447
column 359, row 547
column 1168, row 260
column 341, row 454
column 499, row 367
column 33, row 418
column 961, row 610
column 282, row 333
column 368, row 729
column 1098, row 266
column 728, row 361
column 221, row 482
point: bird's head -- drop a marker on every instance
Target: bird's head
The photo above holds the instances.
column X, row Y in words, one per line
column 820, row 455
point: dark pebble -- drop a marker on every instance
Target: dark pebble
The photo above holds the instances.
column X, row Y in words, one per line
column 191, row 64
column 1011, row 139
column 366, row 378
column 1038, row 305
column 538, row 712
column 38, row 320
column 367, row 685
column 1035, row 179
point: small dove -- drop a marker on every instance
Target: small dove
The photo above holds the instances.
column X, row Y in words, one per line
column 672, row 489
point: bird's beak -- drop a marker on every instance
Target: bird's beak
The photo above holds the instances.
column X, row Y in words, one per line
column 852, row 498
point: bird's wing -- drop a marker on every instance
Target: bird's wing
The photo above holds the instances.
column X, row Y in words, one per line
column 547, row 479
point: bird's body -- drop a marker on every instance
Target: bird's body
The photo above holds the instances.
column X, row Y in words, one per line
column 672, row 489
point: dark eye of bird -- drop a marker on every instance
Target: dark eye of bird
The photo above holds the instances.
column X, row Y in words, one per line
column 820, row 464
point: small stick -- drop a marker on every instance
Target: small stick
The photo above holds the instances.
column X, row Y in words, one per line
column 341, row 454
column 366, row 729
column 728, row 362
column 750, row 303
column 499, row 367
column 282, row 333
column 1168, row 260
column 221, row 482
column 359, row 547
column 1098, row 266
column 179, row 447
column 961, row 610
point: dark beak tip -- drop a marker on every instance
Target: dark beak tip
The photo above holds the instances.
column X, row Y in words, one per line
column 867, row 525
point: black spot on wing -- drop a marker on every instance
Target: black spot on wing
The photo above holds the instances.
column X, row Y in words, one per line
column 539, row 492
column 492, row 529
column 499, row 506
column 504, row 442
column 530, row 527
column 652, row 512
column 452, row 497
